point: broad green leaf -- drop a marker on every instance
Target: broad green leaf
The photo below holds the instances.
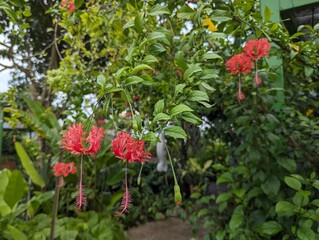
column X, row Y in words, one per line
column 193, row 68
column 223, row 197
column 289, row 164
column 133, row 80
column 219, row 15
column 15, row 189
column 225, row 177
column 158, row 10
column 180, row 61
column 159, row 106
column 28, row 165
column 150, row 59
column 192, row 118
column 121, row 72
column 271, row 186
column 139, row 22
column 267, row 14
column 185, row 12
column 179, row 109
column 175, row 132
column 179, row 88
column 27, row 13
column 101, row 80
column 208, row 87
column 293, row 183
column 78, row 3
column 209, row 56
column 197, row 96
column 270, row 228
column 16, row 233
column 316, row 184
column 4, row 180
column 203, row 212
column 305, row 231
column 285, row 208
column 128, row 24
column 300, row 200
column 156, row 35
column 161, row 117
column 141, row 67
column 237, row 218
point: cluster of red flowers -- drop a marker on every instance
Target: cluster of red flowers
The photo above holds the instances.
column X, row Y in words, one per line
column 64, row 169
column 124, row 147
column 243, row 63
column 74, row 138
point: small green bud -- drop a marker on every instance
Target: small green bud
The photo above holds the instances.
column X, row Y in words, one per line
column 177, row 195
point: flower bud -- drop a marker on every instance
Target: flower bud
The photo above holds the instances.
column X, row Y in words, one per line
column 177, row 195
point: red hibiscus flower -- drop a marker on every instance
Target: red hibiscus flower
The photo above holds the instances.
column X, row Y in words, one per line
column 257, row 48
column 73, row 140
column 64, row 169
column 124, row 147
column 239, row 64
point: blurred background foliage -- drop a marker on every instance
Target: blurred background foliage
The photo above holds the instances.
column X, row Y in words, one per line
column 247, row 170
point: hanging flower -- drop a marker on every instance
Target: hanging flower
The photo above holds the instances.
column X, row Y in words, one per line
column 64, row 169
column 239, row 64
column 94, row 139
column 257, row 48
column 73, row 140
column 124, row 147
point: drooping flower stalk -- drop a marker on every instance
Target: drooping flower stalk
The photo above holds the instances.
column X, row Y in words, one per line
column 126, row 200
column 177, row 190
column 81, row 199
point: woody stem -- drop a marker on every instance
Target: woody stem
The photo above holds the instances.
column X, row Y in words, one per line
column 55, row 208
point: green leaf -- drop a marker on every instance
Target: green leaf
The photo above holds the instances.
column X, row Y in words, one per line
column 192, row 118
column 204, row 212
column 180, row 61
column 141, row 67
column 158, row 10
column 209, row 56
column 285, row 208
column 270, row 228
column 4, row 180
column 223, row 197
column 193, row 68
column 161, row 117
column 179, row 109
column 293, row 183
column 15, row 189
column 185, row 12
column 128, row 24
column 156, row 35
column 267, row 14
column 78, row 3
column 159, row 106
column 316, row 184
column 305, row 232
column 175, row 132
column 101, row 80
column 219, row 15
column 121, row 72
column 28, row 165
column 237, row 218
column 225, row 177
column 197, row 96
column 133, row 80
column 139, row 22
column 179, row 88
column 27, row 13
column 16, row 233
column 208, row 87
column 271, row 186
column 150, row 59
column 289, row 164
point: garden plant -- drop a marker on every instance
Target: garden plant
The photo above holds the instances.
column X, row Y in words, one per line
column 138, row 110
